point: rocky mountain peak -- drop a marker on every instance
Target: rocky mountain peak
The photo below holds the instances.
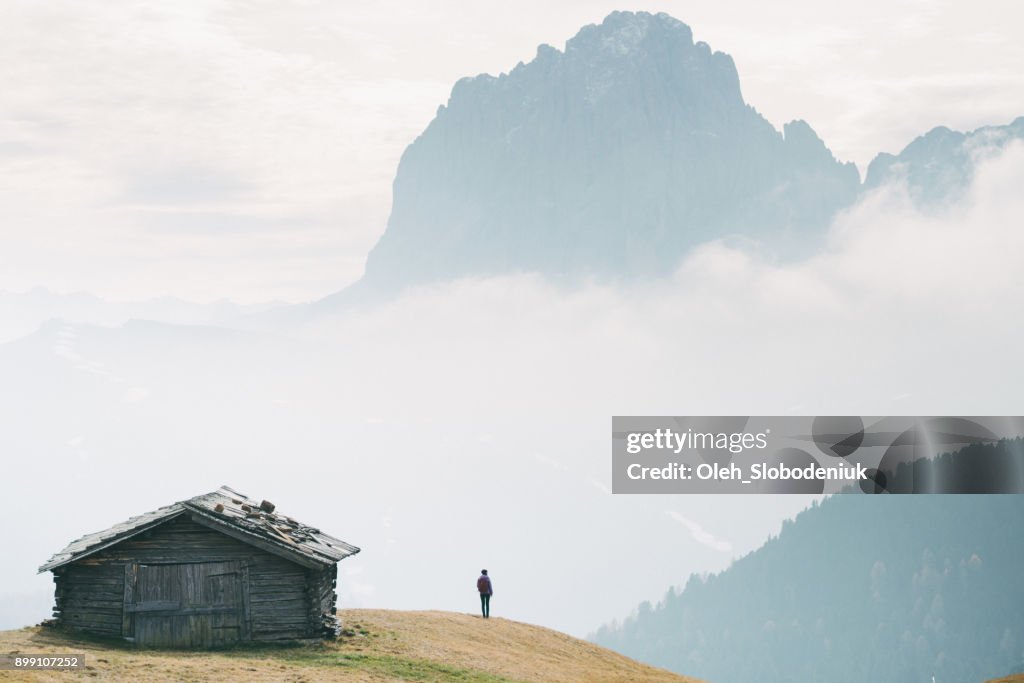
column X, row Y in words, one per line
column 610, row 158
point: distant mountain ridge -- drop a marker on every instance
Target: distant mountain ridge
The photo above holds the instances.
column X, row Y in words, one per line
column 938, row 165
column 614, row 157
column 21, row 313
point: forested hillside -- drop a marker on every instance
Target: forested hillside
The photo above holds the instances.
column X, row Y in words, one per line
column 886, row 588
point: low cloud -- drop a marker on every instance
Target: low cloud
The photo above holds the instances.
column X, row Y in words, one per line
column 699, row 534
column 900, row 302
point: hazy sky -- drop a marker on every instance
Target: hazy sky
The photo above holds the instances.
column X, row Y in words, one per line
column 246, row 149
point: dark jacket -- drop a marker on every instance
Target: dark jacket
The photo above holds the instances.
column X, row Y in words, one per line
column 483, row 584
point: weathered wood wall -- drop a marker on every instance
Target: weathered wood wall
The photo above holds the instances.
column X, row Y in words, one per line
column 286, row 600
column 323, row 601
column 90, row 597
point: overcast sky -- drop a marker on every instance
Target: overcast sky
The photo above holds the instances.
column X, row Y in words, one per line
column 212, row 150
column 246, row 150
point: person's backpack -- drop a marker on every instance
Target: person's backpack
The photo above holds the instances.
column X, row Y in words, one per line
column 483, row 584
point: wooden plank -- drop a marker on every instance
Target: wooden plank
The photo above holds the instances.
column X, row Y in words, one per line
column 79, row 616
column 175, row 609
column 246, row 605
column 284, row 590
column 85, row 604
column 97, row 629
column 103, row 592
column 280, row 534
column 131, row 575
column 154, row 606
column 268, row 601
column 73, row 594
column 114, row 587
column 77, row 619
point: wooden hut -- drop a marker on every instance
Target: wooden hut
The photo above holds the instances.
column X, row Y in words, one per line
column 211, row 570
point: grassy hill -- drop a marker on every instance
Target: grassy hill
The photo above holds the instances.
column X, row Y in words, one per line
column 377, row 645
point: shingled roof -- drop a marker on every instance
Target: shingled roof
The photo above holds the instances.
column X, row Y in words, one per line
column 230, row 512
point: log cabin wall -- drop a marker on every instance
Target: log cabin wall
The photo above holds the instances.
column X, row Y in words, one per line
column 285, row 600
column 324, row 600
column 90, row 597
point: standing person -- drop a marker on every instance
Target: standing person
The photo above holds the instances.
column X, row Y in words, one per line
column 483, row 584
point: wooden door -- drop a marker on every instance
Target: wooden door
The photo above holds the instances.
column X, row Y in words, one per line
column 198, row 604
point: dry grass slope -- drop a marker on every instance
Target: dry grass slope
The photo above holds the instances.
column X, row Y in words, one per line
column 378, row 645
